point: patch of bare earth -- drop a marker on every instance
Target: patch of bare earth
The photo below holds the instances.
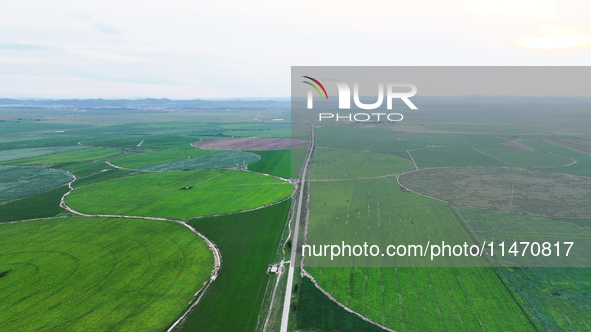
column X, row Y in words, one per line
column 251, row 143
column 518, row 146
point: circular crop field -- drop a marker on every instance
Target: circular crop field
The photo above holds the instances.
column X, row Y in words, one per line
column 329, row 164
column 179, row 194
column 251, row 143
column 17, row 181
column 185, row 160
column 79, row 274
column 505, row 189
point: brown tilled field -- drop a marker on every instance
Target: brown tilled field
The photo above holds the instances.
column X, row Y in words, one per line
column 250, row 143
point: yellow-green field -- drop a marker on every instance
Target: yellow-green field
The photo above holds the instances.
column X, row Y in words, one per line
column 80, row 274
column 209, row 192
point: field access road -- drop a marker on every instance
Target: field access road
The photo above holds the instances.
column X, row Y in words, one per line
column 294, row 241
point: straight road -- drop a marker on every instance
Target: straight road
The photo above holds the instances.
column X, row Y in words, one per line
column 294, row 241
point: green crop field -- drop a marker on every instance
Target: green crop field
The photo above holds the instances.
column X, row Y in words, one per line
column 376, row 211
column 380, row 138
column 98, row 273
column 222, row 159
column 285, row 133
column 101, row 176
column 83, row 168
column 41, row 141
column 19, row 181
column 162, row 194
column 140, row 160
column 316, row 312
column 274, row 162
column 329, row 164
column 10, row 127
column 144, row 141
column 558, row 304
column 534, row 192
column 519, row 158
column 500, row 226
column 42, row 205
column 544, row 146
column 68, row 157
column 7, row 155
column 557, row 297
column 582, row 167
column 452, row 156
column 248, row 243
column 426, row 299
column 451, row 139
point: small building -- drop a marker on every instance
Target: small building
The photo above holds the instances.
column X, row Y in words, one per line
column 273, row 269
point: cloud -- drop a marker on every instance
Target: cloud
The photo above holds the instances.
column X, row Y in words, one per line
column 553, row 37
column 524, row 9
column 24, row 47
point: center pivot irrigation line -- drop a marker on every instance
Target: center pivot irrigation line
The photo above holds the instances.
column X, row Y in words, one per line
column 288, row 289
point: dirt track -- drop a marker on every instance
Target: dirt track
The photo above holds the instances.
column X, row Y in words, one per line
column 250, row 143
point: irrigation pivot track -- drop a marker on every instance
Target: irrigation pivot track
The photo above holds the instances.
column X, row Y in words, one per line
column 292, row 260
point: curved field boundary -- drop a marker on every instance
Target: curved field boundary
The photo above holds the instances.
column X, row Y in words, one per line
column 216, row 253
column 153, row 171
column 573, row 160
column 306, row 274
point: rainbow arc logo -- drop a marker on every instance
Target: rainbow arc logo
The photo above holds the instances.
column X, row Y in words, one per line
column 316, row 87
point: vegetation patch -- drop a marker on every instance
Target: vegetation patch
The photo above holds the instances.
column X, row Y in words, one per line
column 557, row 297
column 274, row 162
column 519, row 158
column 144, row 141
column 158, row 194
column 42, row 205
column 68, row 157
column 545, row 146
column 316, row 312
column 223, row 159
column 330, row 164
column 452, row 139
column 251, row 143
column 426, row 299
column 99, row 273
column 83, row 168
column 7, row 155
column 452, row 156
column 378, row 138
column 248, row 243
column 505, row 189
column 17, row 181
column 143, row 159
column 415, row 298
column 111, row 173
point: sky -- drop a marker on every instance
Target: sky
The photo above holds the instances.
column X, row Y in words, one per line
column 183, row 49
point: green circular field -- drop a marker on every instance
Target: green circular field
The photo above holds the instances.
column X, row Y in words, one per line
column 80, row 274
column 184, row 160
column 179, row 194
column 17, row 181
column 332, row 164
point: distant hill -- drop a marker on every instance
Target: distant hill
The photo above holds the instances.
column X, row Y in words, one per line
column 278, row 103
